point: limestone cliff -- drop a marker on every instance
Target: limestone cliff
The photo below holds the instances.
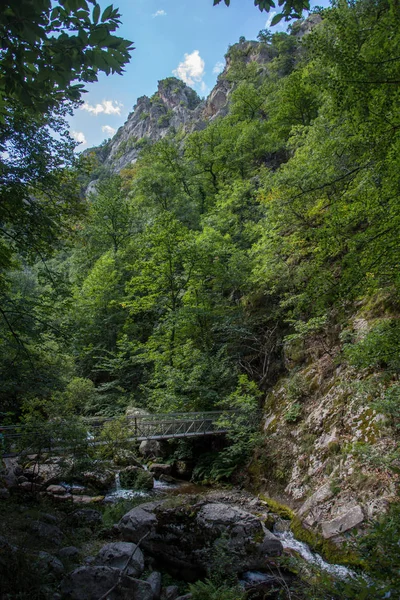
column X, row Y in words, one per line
column 328, row 450
column 174, row 107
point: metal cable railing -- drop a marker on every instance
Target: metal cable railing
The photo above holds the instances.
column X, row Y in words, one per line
column 135, row 428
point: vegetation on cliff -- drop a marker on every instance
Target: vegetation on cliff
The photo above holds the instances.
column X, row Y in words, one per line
column 224, row 260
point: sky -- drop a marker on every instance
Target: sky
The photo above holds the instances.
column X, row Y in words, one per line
column 183, row 38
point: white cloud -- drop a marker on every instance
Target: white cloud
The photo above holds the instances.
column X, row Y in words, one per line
column 159, row 13
column 268, row 22
column 108, row 107
column 108, row 130
column 191, row 69
column 79, row 137
column 218, row 67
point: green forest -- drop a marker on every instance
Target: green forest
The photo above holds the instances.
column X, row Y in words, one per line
column 186, row 281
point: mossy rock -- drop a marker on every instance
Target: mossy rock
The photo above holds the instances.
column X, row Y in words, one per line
column 135, row 478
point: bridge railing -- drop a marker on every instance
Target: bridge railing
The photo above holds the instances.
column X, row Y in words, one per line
column 140, row 427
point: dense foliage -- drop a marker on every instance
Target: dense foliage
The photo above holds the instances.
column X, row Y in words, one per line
column 175, row 284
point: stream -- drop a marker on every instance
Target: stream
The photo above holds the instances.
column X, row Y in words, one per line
column 289, row 542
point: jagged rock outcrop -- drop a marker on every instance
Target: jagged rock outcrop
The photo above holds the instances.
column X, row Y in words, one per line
column 174, row 106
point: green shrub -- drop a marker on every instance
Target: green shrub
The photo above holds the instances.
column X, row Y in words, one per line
column 292, row 413
column 380, row 348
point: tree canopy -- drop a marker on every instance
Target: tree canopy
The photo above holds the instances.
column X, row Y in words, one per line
column 291, row 9
column 48, row 45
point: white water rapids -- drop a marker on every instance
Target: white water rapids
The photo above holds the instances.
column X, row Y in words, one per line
column 289, row 541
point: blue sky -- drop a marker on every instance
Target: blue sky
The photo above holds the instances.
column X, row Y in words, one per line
column 185, row 38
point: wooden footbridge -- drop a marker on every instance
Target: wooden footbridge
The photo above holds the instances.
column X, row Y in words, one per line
column 15, row 439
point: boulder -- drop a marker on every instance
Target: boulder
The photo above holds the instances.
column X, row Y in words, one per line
column 136, row 478
column 170, row 593
column 100, row 480
column 159, row 469
column 57, row 490
column 29, row 487
column 138, row 521
column 167, row 479
column 45, row 531
column 69, row 553
column 85, row 516
column 122, row 555
column 323, row 493
column 151, row 449
column 271, row 545
column 93, row 582
column 49, row 563
column 342, row 523
column 155, row 582
column 186, row 538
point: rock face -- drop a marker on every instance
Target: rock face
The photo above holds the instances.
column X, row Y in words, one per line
column 187, row 538
column 348, row 520
column 173, row 107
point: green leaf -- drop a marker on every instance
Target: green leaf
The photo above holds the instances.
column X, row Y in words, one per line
column 96, row 14
column 276, row 19
column 107, row 13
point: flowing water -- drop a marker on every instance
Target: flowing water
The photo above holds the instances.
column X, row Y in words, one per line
column 120, row 493
column 289, row 542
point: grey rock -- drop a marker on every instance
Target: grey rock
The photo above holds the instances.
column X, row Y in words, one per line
column 271, row 545
column 22, row 479
column 89, row 583
column 155, row 582
column 185, row 597
column 93, row 582
column 219, row 516
column 151, row 448
column 138, row 522
column 86, row 516
column 58, row 490
column 47, row 532
column 141, row 590
column 121, row 554
column 50, row 563
column 49, row 518
column 350, row 519
column 323, row 493
column 170, row 593
column 30, row 487
column 159, row 469
column 100, row 480
column 69, row 553
column 184, row 537
column 167, row 478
